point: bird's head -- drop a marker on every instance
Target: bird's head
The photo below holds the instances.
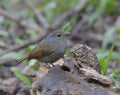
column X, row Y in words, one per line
column 59, row 34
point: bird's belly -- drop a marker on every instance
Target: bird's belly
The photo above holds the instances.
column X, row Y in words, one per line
column 52, row 57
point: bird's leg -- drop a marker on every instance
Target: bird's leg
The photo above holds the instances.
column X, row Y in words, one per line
column 50, row 65
column 53, row 65
column 47, row 65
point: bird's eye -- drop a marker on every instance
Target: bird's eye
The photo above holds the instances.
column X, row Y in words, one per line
column 58, row 35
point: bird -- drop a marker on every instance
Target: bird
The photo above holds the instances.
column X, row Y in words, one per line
column 50, row 49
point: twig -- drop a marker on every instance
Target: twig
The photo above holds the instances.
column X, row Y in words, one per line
column 37, row 13
column 78, row 26
column 99, row 38
column 24, row 23
column 3, row 44
column 27, row 24
column 92, row 36
column 68, row 13
column 27, row 42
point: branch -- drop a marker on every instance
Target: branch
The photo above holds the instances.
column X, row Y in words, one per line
column 27, row 42
column 37, row 13
column 57, row 22
column 23, row 23
column 26, row 24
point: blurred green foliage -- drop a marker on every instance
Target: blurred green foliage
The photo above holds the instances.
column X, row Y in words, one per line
column 102, row 6
column 110, row 55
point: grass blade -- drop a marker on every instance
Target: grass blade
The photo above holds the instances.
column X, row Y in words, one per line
column 22, row 77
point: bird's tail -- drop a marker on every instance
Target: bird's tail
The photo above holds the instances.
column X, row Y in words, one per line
column 22, row 59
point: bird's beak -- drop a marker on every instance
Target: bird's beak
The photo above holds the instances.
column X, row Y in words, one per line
column 67, row 34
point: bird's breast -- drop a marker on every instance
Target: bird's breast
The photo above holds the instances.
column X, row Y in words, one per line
column 51, row 40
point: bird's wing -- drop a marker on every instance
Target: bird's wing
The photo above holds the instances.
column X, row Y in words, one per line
column 41, row 50
column 47, row 48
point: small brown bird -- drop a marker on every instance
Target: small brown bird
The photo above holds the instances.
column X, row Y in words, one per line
column 50, row 49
